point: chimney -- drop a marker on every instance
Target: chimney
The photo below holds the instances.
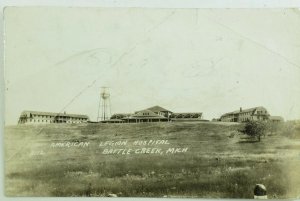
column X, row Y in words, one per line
column 241, row 109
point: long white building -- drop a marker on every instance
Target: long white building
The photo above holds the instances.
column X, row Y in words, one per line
column 35, row 117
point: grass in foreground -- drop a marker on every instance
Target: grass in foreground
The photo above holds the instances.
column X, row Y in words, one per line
column 219, row 163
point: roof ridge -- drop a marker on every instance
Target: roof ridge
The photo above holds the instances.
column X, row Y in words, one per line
column 53, row 113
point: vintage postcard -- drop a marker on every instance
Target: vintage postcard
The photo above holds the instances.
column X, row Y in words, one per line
column 148, row 102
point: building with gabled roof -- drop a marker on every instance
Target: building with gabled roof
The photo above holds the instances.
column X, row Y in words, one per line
column 145, row 116
column 155, row 114
column 243, row 115
column 160, row 111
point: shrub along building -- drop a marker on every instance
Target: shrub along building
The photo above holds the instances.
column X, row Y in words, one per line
column 251, row 114
column 34, row 117
column 154, row 114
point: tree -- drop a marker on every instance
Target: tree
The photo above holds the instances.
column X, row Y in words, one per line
column 255, row 129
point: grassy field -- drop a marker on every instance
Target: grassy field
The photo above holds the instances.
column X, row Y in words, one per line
column 219, row 161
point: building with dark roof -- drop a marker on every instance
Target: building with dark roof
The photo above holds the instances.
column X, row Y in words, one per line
column 154, row 114
column 160, row 111
column 243, row 115
column 35, row 117
column 187, row 116
column 145, row 116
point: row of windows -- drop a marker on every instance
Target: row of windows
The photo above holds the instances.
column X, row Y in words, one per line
column 48, row 121
column 68, row 117
column 42, row 116
column 160, row 113
column 33, row 120
column 261, row 112
column 246, row 113
column 63, row 117
column 246, row 119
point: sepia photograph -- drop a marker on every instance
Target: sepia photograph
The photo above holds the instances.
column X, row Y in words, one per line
column 152, row 102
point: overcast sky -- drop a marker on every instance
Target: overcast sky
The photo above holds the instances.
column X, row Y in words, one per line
column 186, row 60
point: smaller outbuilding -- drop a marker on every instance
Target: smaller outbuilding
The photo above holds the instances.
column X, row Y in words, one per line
column 276, row 119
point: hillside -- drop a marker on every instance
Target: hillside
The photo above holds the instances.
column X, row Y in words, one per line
column 151, row 159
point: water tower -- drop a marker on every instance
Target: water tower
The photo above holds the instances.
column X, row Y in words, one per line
column 104, row 110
